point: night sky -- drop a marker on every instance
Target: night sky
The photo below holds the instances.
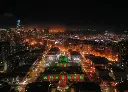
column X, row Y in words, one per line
column 79, row 13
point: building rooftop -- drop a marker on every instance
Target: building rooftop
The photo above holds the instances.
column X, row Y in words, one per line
column 87, row 87
column 58, row 70
column 37, row 86
column 4, row 87
column 123, row 87
column 116, row 69
column 9, row 75
column 54, row 49
column 3, row 43
column 106, row 78
column 101, row 69
column 74, row 53
column 23, row 69
column 98, row 59
column 50, row 53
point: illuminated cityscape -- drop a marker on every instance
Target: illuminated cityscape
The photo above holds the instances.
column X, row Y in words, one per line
column 62, row 58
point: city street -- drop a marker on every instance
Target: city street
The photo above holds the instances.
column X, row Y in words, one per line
column 33, row 73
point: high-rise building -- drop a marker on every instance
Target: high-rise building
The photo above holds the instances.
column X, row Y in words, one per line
column 4, row 53
column 18, row 24
column 18, row 27
column 123, row 52
column 4, row 50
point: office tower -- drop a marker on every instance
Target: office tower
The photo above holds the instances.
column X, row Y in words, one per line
column 4, row 50
column 123, row 52
column 18, row 24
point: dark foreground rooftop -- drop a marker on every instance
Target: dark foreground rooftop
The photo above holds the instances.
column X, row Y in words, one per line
column 37, row 87
column 123, row 87
column 87, row 87
column 54, row 49
column 58, row 70
column 98, row 59
column 74, row 53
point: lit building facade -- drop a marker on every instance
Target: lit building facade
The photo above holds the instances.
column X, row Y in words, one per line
column 4, row 50
column 75, row 57
column 123, row 52
column 18, row 25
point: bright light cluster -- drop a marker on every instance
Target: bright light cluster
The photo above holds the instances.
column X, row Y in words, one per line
column 74, row 77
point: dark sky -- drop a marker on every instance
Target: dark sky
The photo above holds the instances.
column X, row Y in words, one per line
column 93, row 12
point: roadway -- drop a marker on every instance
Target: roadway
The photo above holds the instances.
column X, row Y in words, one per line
column 38, row 67
column 33, row 73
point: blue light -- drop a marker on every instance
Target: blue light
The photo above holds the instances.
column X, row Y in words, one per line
column 18, row 21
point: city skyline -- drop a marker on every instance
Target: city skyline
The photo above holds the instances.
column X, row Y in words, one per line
column 66, row 47
column 9, row 20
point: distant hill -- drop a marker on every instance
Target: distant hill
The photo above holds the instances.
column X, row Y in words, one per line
column 7, row 20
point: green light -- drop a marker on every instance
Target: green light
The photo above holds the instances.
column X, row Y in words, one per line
column 62, row 54
column 45, row 77
column 61, row 64
column 69, row 77
column 51, row 77
column 65, row 65
column 62, row 77
column 81, row 77
column 66, row 59
column 75, row 77
column 57, row 77
column 63, row 59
